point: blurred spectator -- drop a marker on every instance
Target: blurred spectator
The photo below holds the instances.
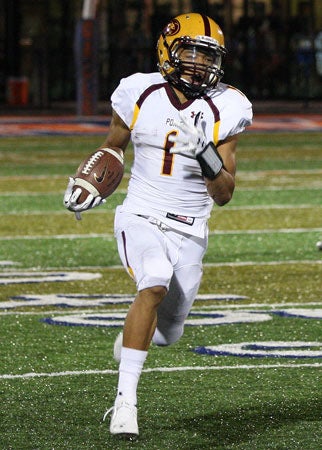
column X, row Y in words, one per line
column 318, row 53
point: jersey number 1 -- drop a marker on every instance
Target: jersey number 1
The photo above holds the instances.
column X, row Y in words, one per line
column 167, row 161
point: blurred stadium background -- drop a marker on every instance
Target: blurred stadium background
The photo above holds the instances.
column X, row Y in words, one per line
column 275, row 48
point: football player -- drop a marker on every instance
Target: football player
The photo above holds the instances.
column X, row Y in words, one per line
column 184, row 125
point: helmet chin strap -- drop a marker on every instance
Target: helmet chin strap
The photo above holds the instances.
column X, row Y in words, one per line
column 189, row 83
column 187, row 89
column 196, row 81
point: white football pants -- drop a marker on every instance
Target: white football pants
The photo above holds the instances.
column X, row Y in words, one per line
column 156, row 255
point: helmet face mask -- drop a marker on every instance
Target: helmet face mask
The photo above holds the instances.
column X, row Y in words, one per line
column 199, row 68
column 191, row 53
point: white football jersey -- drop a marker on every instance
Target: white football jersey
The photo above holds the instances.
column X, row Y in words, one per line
column 165, row 186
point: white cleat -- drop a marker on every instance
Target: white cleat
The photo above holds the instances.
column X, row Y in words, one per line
column 118, row 347
column 124, row 419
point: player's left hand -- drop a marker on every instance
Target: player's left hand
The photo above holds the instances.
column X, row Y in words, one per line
column 192, row 143
column 191, row 140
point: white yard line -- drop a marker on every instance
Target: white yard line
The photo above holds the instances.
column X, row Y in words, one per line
column 158, row 369
column 201, row 297
column 220, row 264
column 59, row 236
column 247, row 173
column 262, row 263
column 267, row 231
column 273, row 206
column 27, row 193
column 227, row 209
column 63, row 212
column 111, row 235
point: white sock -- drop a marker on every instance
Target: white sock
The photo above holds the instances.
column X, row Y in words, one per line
column 130, row 369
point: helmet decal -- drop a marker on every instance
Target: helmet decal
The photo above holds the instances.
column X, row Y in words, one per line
column 172, row 28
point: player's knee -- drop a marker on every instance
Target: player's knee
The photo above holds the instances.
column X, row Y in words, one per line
column 157, row 291
column 152, row 295
column 159, row 339
column 155, row 275
column 168, row 336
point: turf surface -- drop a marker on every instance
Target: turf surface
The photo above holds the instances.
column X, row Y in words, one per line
column 57, row 380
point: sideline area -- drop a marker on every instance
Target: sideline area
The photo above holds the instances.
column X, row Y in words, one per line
column 71, row 125
column 62, row 120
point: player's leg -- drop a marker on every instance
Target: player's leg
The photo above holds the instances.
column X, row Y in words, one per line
column 143, row 314
column 143, row 252
column 182, row 292
column 139, row 327
column 141, row 318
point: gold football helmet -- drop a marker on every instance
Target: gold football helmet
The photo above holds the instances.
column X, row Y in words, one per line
column 191, row 51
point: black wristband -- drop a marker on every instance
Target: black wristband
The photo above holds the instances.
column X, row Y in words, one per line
column 210, row 161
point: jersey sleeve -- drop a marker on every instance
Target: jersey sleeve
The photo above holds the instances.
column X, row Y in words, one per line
column 128, row 92
column 123, row 100
column 236, row 115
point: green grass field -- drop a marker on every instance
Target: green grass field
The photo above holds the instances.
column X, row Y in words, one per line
column 247, row 372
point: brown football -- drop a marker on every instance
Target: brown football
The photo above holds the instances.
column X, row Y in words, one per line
column 100, row 173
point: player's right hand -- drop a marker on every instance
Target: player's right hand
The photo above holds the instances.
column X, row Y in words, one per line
column 71, row 199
